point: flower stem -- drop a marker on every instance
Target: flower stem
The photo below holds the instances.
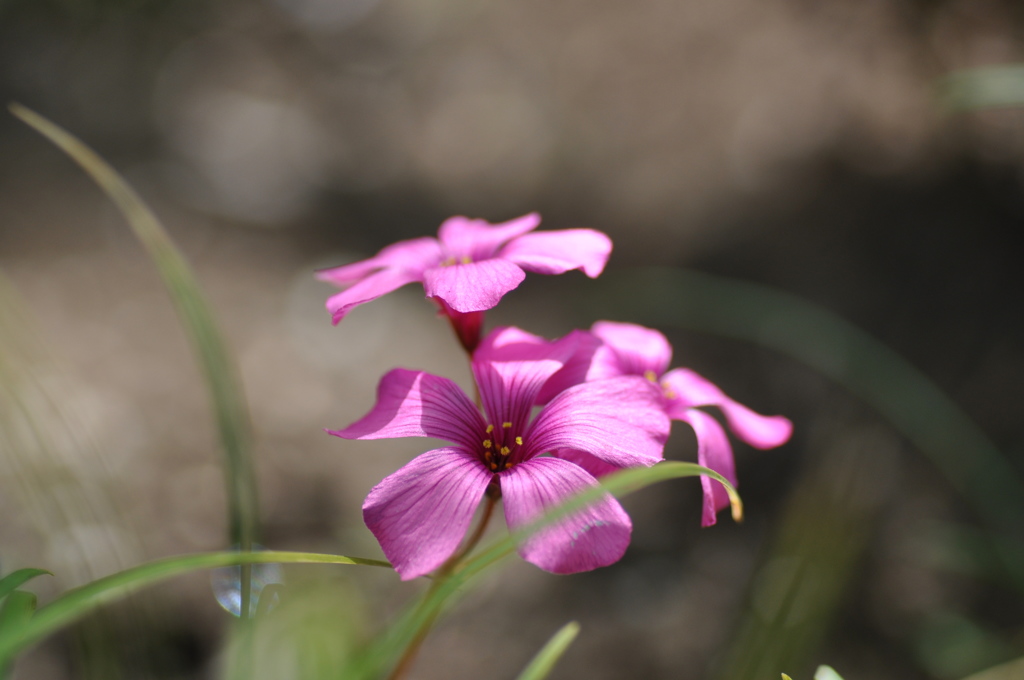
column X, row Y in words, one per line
column 443, row 572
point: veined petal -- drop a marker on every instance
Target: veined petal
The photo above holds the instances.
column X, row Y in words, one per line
column 593, row 537
column 511, row 366
column 641, row 351
column 556, row 252
column 592, row 464
column 715, row 452
column 418, row 404
column 690, row 389
column 420, row 513
column 479, row 239
column 621, row 420
column 415, row 254
column 472, row 287
column 370, row 288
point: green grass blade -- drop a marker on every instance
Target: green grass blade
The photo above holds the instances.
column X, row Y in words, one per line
column 76, row 603
column 826, row 673
column 219, row 372
column 16, row 611
column 421, row 616
column 841, row 351
column 16, row 578
column 549, row 655
column 986, row 87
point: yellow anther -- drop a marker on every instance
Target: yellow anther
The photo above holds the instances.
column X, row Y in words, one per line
column 506, row 425
column 490, row 429
column 669, row 394
column 466, row 259
column 651, row 375
column 519, row 440
column 487, row 443
column 505, row 450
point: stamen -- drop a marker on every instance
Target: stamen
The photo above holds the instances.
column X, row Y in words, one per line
column 466, row 259
column 487, row 443
column 519, row 440
column 508, row 465
column 651, row 375
column 505, row 450
column 506, row 425
column 490, row 429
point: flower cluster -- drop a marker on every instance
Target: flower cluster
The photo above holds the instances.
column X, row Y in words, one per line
column 550, row 418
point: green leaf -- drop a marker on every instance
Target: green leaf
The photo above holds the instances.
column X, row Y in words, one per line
column 786, row 677
column 76, row 603
column 219, row 372
column 549, row 655
column 15, row 612
column 416, row 622
column 17, row 578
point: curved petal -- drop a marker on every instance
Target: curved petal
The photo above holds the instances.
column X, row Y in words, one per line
column 687, row 389
column 420, row 513
column 592, row 464
column 593, row 537
column 418, row 404
column 556, row 252
column 641, row 351
column 621, row 420
column 479, row 239
column 415, row 254
column 472, row 287
column 368, row 289
column 715, row 452
column 591, row 360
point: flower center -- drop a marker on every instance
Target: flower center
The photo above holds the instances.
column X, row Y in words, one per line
column 499, row 445
column 451, row 259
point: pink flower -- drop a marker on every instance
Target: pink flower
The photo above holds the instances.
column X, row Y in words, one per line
column 468, row 268
column 618, row 349
column 421, row 513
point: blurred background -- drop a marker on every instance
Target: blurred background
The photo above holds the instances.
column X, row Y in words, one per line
column 810, row 149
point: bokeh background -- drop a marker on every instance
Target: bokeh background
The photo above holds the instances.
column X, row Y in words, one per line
column 805, row 148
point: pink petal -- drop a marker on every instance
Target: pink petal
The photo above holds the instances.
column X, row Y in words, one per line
column 479, row 239
column 639, row 349
column 621, row 420
column 591, row 360
column 369, row 288
column 415, row 255
column 420, row 513
column 511, row 366
column 715, row 452
column 556, row 252
column 472, row 287
column 593, row 537
column 690, row 389
column 592, row 464
column 418, row 404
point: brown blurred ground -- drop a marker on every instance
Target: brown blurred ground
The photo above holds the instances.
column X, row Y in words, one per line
column 794, row 144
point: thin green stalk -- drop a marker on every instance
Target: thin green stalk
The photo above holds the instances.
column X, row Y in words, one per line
column 218, row 370
column 542, row 664
column 405, row 662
